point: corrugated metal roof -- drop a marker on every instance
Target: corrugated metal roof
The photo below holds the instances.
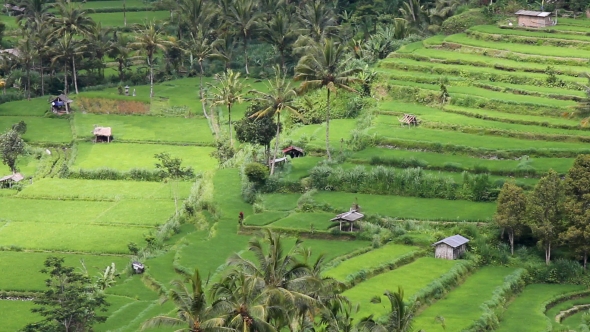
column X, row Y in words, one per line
column 453, row 241
column 532, row 13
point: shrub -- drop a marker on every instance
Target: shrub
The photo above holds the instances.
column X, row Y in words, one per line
column 461, row 22
column 256, row 173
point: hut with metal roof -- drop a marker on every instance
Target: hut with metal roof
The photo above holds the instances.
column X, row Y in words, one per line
column 452, row 247
column 534, row 19
column 102, row 134
column 348, row 218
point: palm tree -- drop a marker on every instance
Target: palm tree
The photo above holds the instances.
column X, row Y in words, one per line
column 27, row 53
column 193, row 15
column 280, row 33
column 317, row 19
column 199, row 47
column 398, row 320
column 240, row 304
column 40, row 32
column 121, row 52
column 284, row 282
column 324, row 65
column 244, row 16
column 279, row 97
column 149, row 40
column 99, row 43
column 191, row 307
column 66, row 48
column 71, row 19
column 223, row 49
column 228, row 91
column 33, row 10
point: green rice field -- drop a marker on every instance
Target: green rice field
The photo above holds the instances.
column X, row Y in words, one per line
column 372, row 259
column 530, row 304
column 130, row 155
column 411, row 278
column 462, row 306
column 501, row 107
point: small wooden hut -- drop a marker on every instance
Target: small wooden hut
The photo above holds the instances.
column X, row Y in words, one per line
column 452, row 247
column 408, row 119
column 61, row 104
column 9, row 180
column 293, row 152
column 102, row 134
column 534, row 19
column 348, row 218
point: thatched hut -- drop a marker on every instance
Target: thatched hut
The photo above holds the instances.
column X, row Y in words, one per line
column 102, row 134
column 9, row 180
column 452, row 247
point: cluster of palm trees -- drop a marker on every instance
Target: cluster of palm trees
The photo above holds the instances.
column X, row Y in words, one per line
column 61, row 36
column 278, row 290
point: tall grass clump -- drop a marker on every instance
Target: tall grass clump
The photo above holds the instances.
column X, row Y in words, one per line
column 382, row 180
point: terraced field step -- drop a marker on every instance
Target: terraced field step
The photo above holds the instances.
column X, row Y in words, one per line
column 13, row 263
column 528, row 37
column 440, row 160
column 402, row 207
column 367, row 262
column 460, row 307
column 436, row 118
column 550, row 51
column 563, row 122
column 389, row 132
column 411, row 277
column 73, row 189
column 480, row 60
column 476, row 73
column 530, row 304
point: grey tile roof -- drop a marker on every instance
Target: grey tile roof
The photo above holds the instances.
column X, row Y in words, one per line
column 453, row 241
column 348, row 216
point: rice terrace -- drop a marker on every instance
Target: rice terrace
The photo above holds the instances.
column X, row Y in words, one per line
column 254, row 166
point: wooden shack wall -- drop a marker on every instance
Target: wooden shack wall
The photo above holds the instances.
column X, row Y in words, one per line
column 444, row 251
column 534, row 22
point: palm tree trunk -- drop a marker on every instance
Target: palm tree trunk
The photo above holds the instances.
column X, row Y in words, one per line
column 246, row 54
column 42, row 78
column 74, row 74
column 120, row 70
column 231, row 141
column 201, row 90
column 66, row 78
column 328, row 125
column 272, row 164
column 124, row 14
column 511, row 239
column 151, row 77
column 28, row 83
column 547, row 253
column 585, row 259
